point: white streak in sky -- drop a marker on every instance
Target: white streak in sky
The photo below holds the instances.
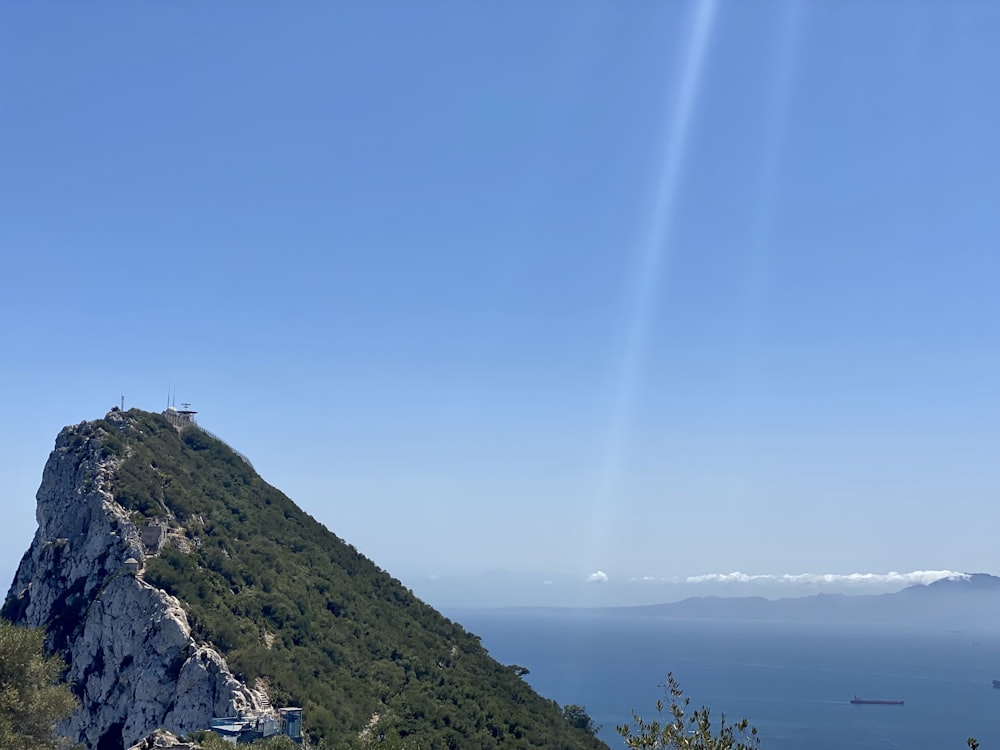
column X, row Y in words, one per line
column 654, row 244
column 914, row 577
column 598, row 577
column 652, row 251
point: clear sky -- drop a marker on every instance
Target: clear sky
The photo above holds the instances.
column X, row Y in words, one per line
column 513, row 295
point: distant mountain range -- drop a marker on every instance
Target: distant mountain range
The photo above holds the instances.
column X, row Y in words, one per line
column 958, row 602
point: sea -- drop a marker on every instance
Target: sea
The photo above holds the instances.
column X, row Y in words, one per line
column 793, row 681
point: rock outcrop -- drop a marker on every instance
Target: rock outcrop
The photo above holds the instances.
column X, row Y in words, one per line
column 160, row 554
column 163, row 739
column 133, row 662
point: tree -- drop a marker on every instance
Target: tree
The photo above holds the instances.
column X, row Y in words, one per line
column 577, row 716
column 32, row 700
column 687, row 731
column 277, row 742
column 211, row 741
column 518, row 670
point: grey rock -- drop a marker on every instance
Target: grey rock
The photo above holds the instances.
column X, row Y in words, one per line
column 161, row 738
column 133, row 662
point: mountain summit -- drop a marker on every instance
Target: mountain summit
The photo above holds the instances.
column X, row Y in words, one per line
column 179, row 586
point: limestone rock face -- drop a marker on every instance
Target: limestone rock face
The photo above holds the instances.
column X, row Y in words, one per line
column 132, row 660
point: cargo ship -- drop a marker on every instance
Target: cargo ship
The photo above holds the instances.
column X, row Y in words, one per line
column 874, row 702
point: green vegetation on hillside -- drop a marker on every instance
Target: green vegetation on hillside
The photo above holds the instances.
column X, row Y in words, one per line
column 32, row 701
column 287, row 601
column 211, row 741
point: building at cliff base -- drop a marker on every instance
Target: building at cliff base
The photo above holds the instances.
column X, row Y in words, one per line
column 246, row 729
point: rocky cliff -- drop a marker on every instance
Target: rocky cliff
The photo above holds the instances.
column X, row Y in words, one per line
column 161, row 556
column 132, row 659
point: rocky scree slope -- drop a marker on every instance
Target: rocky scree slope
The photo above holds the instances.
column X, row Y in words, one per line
column 232, row 572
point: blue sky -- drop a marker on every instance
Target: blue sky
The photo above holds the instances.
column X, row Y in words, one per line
column 507, row 294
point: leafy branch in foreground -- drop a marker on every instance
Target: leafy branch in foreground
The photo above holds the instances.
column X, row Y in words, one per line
column 684, row 730
column 32, row 699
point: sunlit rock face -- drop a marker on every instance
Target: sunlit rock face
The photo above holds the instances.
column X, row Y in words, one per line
column 132, row 660
column 163, row 739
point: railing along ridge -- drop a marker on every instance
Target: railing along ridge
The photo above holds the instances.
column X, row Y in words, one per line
column 216, row 437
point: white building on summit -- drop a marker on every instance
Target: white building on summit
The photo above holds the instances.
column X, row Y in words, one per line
column 180, row 418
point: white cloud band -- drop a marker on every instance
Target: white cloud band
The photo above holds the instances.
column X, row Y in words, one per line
column 914, row 577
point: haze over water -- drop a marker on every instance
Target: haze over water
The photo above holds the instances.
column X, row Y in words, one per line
column 793, row 681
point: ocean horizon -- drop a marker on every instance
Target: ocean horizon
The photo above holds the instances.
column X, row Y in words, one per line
column 793, row 681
